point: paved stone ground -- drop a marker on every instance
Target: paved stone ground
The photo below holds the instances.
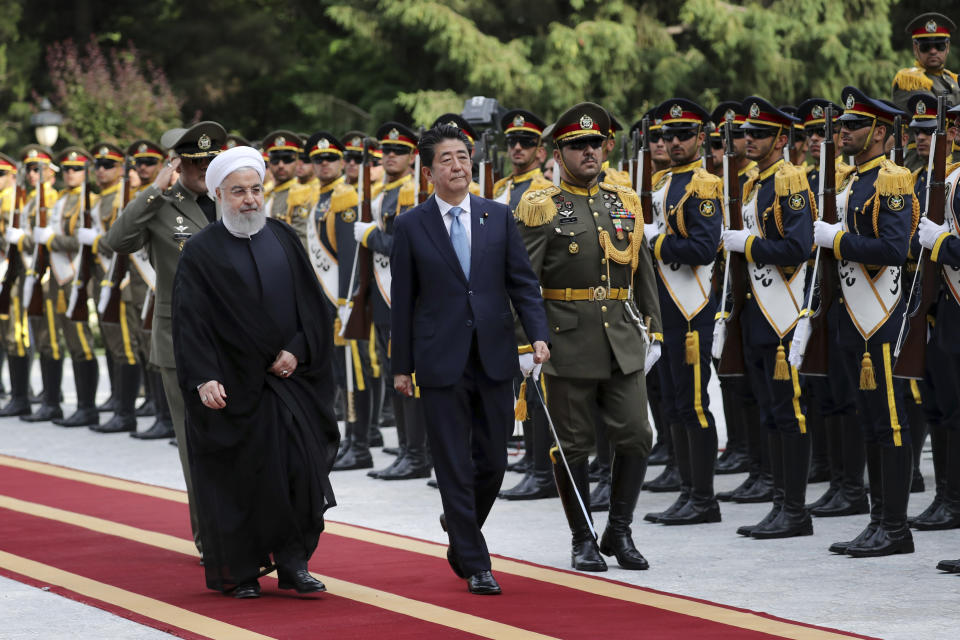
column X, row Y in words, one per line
column 902, row 597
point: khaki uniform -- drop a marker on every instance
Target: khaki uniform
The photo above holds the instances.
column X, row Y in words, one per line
column 290, row 202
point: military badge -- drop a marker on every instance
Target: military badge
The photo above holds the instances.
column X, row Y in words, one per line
column 817, row 111
column 850, row 101
column 797, row 201
column 586, row 122
column 518, row 121
column 179, row 219
column 231, row 144
column 179, row 197
column 204, row 142
column 32, row 153
column 453, row 124
column 393, row 135
column 895, row 202
column 931, row 26
column 754, row 110
column 323, row 143
column 921, row 108
column 574, row 248
column 707, row 208
column 104, row 151
column 676, row 111
column 142, row 148
column 72, row 155
column 356, row 142
column 348, row 216
column 730, row 115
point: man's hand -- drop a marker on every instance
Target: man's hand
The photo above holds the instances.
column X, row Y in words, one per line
column 13, row 235
column 360, row 228
column 825, row 233
column 284, row 365
column 168, row 175
column 650, row 232
column 735, row 240
column 213, row 395
column 42, row 234
column 541, row 352
column 87, row 236
column 404, row 384
column 929, row 231
column 527, row 364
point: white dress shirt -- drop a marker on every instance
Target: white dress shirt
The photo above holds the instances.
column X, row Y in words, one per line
column 464, row 216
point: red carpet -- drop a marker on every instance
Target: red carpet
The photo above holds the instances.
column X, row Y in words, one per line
column 115, row 536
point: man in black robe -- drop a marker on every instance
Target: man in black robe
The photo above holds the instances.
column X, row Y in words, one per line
column 252, row 340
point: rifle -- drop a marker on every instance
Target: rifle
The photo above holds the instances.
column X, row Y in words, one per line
column 14, row 262
column 910, row 350
column 812, row 335
column 727, row 331
column 645, row 165
column 788, row 151
column 357, row 326
column 77, row 309
column 422, row 191
column 706, row 151
column 109, row 304
column 896, row 154
column 41, row 259
column 632, row 163
column 486, row 165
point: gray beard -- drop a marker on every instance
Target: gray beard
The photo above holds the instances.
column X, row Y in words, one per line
column 242, row 225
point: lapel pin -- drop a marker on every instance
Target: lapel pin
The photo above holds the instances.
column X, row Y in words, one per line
column 483, row 218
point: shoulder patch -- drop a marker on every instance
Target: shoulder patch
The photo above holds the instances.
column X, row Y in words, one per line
column 536, row 207
column 797, row 201
column 707, row 208
column 895, row 203
column 912, row 79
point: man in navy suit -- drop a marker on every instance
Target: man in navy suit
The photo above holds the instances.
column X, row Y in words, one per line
column 458, row 264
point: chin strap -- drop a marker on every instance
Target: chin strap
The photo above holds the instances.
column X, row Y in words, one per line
column 773, row 144
column 866, row 142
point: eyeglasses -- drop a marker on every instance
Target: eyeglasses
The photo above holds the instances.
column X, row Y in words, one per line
column 3, row 172
column 925, row 47
column 760, row 134
column 285, row 158
column 581, row 145
column 527, row 142
column 396, row 149
column 324, row 157
column 240, row 192
column 146, row 162
column 683, row 135
column 716, row 144
column 820, row 132
column 856, row 125
column 923, row 131
column 655, row 137
column 356, row 158
column 33, row 168
column 71, row 168
column 100, row 163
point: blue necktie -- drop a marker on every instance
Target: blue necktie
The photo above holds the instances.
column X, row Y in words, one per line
column 458, row 236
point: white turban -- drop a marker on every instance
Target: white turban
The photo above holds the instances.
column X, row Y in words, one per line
column 229, row 161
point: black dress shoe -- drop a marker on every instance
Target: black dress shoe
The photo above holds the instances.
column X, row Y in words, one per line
column 16, row 407
column 247, row 590
column 80, row 418
column 839, row 505
column 681, row 500
column 932, row 508
column 520, row 466
column 786, row 525
column 885, row 542
column 44, row 413
column 117, row 424
column 736, row 462
column 940, row 519
column 173, row 443
column 668, row 480
column 146, row 410
column 950, row 566
column 531, row 488
column 760, row 490
column 659, row 455
column 354, row 458
column 483, row 583
column 158, row 431
column 866, row 534
column 407, row 468
column 375, row 438
column 824, row 499
column 747, row 530
column 916, row 482
column 432, row 482
column 451, row 554
column 585, row 556
column 620, row 545
column 693, row 513
column 600, row 496
column 301, row 580
column 394, row 451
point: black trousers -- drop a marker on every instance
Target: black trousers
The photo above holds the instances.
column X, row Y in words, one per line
column 467, row 428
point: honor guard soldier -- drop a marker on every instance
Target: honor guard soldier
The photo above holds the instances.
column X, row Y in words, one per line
column 37, row 161
column 600, row 291
column 831, row 398
column 48, row 328
column 8, row 179
column 684, row 237
column 776, row 241
column 307, row 175
column 943, row 359
column 394, row 195
column 288, row 200
column 523, row 131
column 147, row 157
column 163, row 217
column 930, row 35
column 877, row 214
column 352, row 155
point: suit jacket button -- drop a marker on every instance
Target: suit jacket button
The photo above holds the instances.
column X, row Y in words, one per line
column 469, row 323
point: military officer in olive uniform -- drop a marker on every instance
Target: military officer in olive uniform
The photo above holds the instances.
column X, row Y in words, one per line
column 163, row 217
column 36, row 161
column 522, row 130
column 776, row 240
column 684, row 237
column 601, row 300
column 289, row 200
column 878, row 214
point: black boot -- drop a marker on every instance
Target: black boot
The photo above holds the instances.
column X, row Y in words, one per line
column 939, row 444
column 851, row 497
column 947, row 516
column 819, row 458
column 682, row 464
column 760, row 488
column 3, row 390
column 680, row 502
column 357, row 455
column 127, row 381
column 775, row 460
column 374, row 437
column 396, row 400
column 525, row 463
column 339, row 401
column 793, row 519
column 918, row 436
column 86, row 373
column 893, row 536
column 149, row 407
column 734, row 458
column 110, row 404
column 627, row 478
column 415, row 461
column 538, row 482
column 600, row 496
column 585, row 554
column 950, row 566
column 19, row 404
column 662, row 451
column 702, row 506
column 672, row 477
column 387, row 414
column 833, row 437
column 875, row 475
column 163, row 427
column 52, row 373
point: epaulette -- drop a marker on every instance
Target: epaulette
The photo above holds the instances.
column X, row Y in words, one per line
column 893, row 180
column 810, row 168
column 912, row 79
column 790, row 179
column 499, row 186
column 844, row 171
column 705, row 185
column 951, row 74
column 951, row 167
column 408, row 194
column 539, row 182
column 536, row 207
column 474, row 189
column 628, row 197
column 299, row 195
column 658, row 176
column 615, row 176
column 343, row 197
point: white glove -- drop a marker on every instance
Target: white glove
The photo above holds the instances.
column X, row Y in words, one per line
column 650, row 232
column 13, row 235
column 653, row 354
column 87, row 236
column 719, row 338
column 824, row 233
column 526, row 364
column 929, row 231
column 735, row 239
column 343, row 313
column 360, row 228
column 799, row 345
column 42, row 234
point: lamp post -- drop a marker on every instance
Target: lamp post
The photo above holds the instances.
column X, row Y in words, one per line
column 46, row 124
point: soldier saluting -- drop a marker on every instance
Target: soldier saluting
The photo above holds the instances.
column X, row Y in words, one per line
column 598, row 283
